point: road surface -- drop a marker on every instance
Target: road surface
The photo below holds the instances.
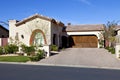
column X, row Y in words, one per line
column 34, row 72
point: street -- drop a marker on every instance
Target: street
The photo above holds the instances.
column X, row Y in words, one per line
column 34, row 72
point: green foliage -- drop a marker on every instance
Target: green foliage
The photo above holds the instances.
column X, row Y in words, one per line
column 38, row 56
column 54, row 48
column 111, row 49
column 30, row 50
column 14, row 58
column 101, row 42
column 1, row 50
column 109, row 32
column 11, row 48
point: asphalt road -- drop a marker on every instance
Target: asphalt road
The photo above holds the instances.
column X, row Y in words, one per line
column 29, row 72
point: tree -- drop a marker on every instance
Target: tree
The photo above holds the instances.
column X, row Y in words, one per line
column 109, row 33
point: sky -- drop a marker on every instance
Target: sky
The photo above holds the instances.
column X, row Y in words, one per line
column 68, row 11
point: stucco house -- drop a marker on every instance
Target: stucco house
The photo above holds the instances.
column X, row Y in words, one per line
column 117, row 45
column 37, row 30
column 4, row 35
column 117, row 29
column 41, row 31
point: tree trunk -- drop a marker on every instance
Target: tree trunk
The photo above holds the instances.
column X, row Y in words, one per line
column 107, row 43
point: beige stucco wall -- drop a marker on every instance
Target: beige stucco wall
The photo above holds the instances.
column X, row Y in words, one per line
column 96, row 33
column 117, row 50
column 27, row 28
column 118, row 32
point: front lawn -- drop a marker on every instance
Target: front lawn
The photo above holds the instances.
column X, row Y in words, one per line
column 14, row 59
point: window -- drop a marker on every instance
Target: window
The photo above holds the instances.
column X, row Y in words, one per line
column 38, row 39
column 22, row 36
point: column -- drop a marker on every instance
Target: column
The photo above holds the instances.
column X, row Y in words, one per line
column 117, row 50
column 47, row 50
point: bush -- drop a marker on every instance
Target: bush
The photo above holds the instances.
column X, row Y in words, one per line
column 101, row 42
column 1, row 50
column 54, row 48
column 38, row 56
column 30, row 50
column 11, row 48
column 111, row 49
column 107, row 48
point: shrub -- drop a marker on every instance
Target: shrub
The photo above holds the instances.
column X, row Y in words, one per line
column 34, row 58
column 38, row 56
column 101, row 42
column 111, row 49
column 30, row 50
column 1, row 50
column 107, row 48
column 54, row 48
column 11, row 48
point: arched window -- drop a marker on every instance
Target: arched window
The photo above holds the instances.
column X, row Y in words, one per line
column 38, row 39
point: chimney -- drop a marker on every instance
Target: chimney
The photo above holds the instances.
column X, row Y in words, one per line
column 12, row 27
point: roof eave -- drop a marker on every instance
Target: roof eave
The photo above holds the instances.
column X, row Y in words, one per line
column 31, row 18
column 82, row 30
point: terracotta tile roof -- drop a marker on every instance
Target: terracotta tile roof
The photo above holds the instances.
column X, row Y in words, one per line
column 39, row 16
column 86, row 27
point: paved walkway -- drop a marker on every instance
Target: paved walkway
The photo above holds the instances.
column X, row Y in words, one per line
column 91, row 57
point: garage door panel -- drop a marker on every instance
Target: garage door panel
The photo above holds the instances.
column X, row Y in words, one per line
column 85, row 41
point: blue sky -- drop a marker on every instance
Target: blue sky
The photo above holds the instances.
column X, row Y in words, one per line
column 73, row 11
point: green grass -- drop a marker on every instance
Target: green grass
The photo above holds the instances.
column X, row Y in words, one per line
column 14, row 59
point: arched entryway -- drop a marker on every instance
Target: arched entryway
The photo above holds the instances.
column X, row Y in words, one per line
column 38, row 38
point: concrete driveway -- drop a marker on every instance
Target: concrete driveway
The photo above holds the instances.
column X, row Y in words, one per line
column 91, row 57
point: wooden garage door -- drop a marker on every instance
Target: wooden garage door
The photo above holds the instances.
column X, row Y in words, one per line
column 85, row 41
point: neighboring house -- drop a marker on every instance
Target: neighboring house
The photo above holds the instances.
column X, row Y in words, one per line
column 85, row 36
column 36, row 30
column 117, row 30
column 117, row 33
column 117, row 45
column 4, row 35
